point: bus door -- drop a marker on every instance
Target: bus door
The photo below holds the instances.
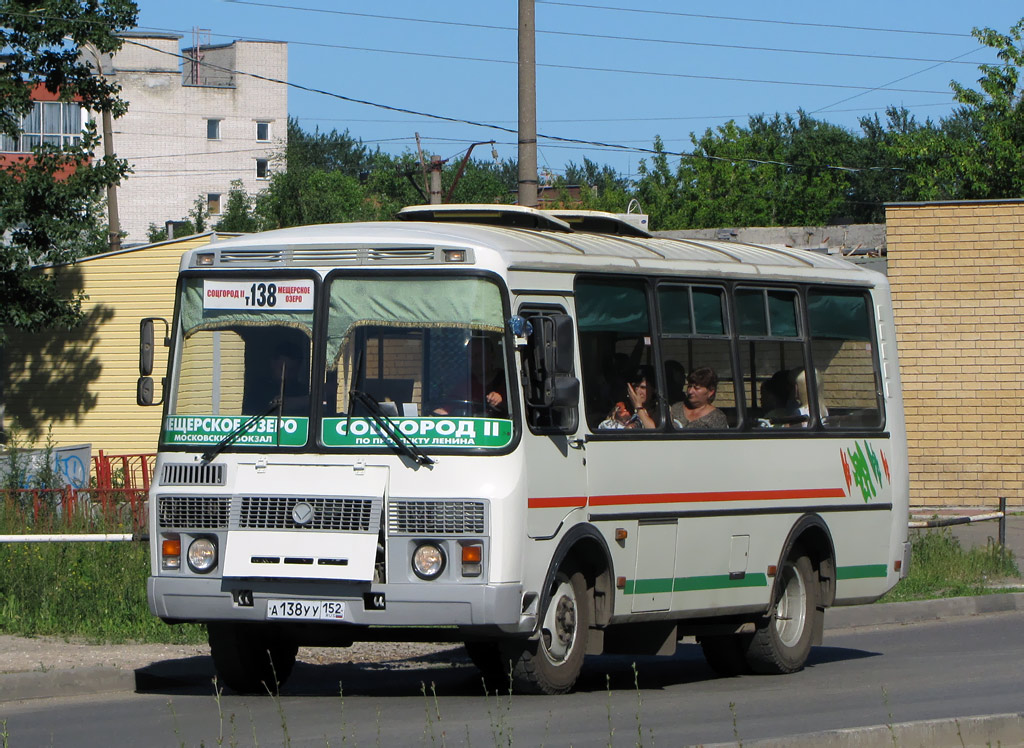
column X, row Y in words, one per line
column 624, row 403
column 553, row 448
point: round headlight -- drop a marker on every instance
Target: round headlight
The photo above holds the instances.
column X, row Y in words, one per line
column 202, row 555
column 428, row 561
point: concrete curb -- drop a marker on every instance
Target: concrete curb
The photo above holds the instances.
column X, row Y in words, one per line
column 962, row 732
column 919, row 611
column 58, row 683
column 51, row 684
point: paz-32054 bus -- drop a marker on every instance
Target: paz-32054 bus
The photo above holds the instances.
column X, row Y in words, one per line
column 434, row 429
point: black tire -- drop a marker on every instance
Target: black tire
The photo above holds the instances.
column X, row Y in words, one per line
column 782, row 642
column 487, row 656
column 550, row 662
column 726, row 654
column 249, row 658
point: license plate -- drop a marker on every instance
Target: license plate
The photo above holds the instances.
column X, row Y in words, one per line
column 306, row 610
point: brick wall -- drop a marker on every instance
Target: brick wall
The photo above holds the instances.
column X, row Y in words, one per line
column 957, row 273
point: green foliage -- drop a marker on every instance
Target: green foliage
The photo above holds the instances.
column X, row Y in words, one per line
column 51, row 205
column 975, row 153
column 239, row 213
column 91, row 590
column 940, row 567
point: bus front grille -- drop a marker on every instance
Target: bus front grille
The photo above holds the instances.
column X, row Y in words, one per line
column 193, row 512
column 192, row 474
column 423, row 517
column 277, row 513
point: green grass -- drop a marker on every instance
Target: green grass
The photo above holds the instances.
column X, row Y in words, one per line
column 941, row 567
column 95, row 591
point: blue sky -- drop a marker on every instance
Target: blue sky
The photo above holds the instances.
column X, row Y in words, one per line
column 609, row 71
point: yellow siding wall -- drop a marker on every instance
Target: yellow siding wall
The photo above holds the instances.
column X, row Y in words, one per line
column 957, row 273
column 84, row 382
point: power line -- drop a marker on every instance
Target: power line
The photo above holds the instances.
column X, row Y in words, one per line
column 500, row 128
column 752, row 20
column 620, row 71
column 579, row 34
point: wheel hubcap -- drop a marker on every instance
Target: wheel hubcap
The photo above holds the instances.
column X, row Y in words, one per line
column 791, row 611
column 558, row 631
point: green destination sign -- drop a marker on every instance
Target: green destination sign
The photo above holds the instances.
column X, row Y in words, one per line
column 491, row 433
column 207, row 430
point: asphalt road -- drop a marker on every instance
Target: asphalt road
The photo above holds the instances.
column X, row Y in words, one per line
column 867, row 676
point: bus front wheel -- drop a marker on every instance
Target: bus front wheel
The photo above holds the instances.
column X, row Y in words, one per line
column 250, row 659
column 550, row 662
column 783, row 642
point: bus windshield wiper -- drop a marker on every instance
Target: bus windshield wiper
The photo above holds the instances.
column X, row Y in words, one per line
column 224, row 443
column 403, row 444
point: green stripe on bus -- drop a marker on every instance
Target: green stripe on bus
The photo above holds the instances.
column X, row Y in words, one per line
column 693, row 584
column 864, row 571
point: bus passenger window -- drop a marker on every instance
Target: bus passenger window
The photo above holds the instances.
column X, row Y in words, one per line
column 844, row 359
column 772, row 358
column 620, row 386
column 697, row 351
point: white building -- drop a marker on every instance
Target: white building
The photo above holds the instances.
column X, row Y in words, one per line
column 193, row 128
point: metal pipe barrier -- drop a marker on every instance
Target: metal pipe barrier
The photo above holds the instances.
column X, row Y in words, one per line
column 966, row 519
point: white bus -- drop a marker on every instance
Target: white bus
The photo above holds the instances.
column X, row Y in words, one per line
column 546, row 438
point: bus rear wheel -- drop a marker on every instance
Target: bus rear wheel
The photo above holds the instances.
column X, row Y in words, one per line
column 550, row 662
column 783, row 642
column 250, row 659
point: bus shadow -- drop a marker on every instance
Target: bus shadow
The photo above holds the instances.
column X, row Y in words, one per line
column 449, row 673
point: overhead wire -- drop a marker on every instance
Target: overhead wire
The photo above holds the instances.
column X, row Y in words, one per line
column 580, row 34
column 500, row 128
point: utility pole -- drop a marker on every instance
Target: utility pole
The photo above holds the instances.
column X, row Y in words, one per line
column 435, row 180
column 113, row 218
column 527, row 106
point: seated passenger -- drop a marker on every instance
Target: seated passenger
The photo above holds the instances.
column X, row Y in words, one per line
column 635, row 415
column 779, row 404
column 697, row 412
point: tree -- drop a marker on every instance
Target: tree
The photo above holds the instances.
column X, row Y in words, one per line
column 978, row 152
column 239, row 213
column 51, row 204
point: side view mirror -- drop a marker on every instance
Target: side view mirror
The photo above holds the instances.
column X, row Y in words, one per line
column 146, row 343
column 144, row 391
column 146, row 348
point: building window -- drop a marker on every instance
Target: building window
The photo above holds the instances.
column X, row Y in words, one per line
column 51, row 122
column 213, row 203
column 213, row 129
column 262, row 168
column 263, row 132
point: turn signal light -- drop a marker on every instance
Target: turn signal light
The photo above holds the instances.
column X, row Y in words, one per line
column 170, row 551
column 472, row 560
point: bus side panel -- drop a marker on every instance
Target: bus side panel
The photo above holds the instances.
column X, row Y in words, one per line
column 736, row 501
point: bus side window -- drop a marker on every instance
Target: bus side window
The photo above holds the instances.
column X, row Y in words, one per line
column 772, row 358
column 694, row 335
column 615, row 350
column 847, row 380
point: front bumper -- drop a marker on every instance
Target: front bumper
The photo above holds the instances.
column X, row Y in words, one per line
column 492, row 606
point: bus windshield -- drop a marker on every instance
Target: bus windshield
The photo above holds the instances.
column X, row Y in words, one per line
column 245, row 342
column 430, row 351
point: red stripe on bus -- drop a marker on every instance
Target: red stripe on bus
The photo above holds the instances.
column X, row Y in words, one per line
column 555, row 502
column 685, row 498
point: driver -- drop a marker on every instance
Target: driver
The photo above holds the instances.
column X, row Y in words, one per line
column 485, row 383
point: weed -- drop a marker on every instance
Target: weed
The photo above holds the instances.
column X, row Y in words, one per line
column 608, row 690
column 890, row 722
column 639, row 707
column 735, row 724
column 940, row 567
